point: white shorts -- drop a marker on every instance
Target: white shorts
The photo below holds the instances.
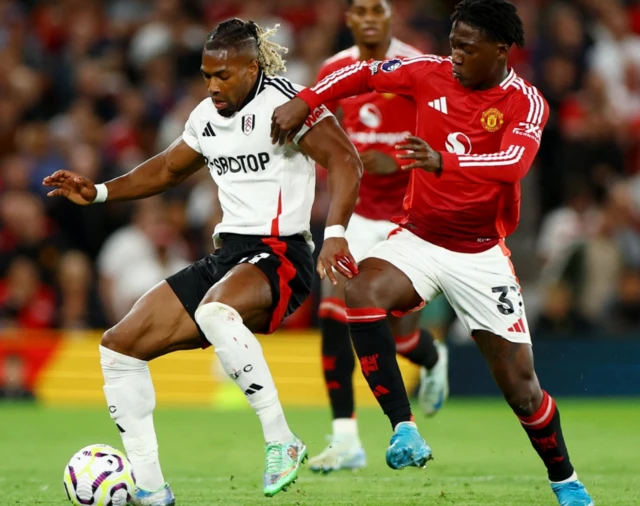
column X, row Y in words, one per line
column 363, row 234
column 482, row 288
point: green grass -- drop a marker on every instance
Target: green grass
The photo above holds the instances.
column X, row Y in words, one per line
column 482, row 456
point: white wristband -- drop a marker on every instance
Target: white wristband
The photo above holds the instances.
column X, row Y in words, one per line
column 101, row 193
column 333, row 231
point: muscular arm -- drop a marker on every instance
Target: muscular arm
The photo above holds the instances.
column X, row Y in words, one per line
column 154, row 176
column 158, row 174
column 329, row 146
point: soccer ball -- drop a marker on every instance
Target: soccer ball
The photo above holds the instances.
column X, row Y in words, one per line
column 99, row 475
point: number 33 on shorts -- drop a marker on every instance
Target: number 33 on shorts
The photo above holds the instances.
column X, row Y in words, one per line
column 510, row 303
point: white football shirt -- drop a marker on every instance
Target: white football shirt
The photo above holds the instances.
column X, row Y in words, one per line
column 264, row 189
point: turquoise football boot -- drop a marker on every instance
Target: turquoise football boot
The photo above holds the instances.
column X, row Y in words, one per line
column 407, row 448
column 572, row 493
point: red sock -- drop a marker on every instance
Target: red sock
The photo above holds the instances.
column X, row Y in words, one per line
column 418, row 347
column 375, row 347
column 545, row 434
column 338, row 360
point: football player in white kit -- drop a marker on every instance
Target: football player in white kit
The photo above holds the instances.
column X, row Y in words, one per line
column 263, row 267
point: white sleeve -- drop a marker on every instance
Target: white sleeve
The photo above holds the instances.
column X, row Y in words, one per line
column 316, row 116
column 190, row 134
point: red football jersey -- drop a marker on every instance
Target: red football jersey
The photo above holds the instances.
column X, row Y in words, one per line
column 376, row 121
column 488, row 141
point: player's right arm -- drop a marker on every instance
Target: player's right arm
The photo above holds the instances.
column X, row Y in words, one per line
column 156, row 175
column 397, row 76
column 328, row 145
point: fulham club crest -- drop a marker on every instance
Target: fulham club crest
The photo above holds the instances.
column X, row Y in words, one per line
column 248, row 123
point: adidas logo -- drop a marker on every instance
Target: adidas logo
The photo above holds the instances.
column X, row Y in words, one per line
column 208, row 131
column 379, row 390
column 253, row 388
column 518, row 327
column 440, row 105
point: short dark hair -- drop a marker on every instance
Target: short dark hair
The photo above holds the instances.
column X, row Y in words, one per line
column 238, row 34
column 498, row 19
column 233, row 32
column 350, row 2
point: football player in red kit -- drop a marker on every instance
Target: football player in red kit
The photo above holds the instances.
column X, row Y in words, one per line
column 375, row 123
column 478, row 132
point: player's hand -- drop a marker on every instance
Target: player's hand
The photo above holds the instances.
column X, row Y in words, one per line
column 426, row 158
column 287, row 120
column 77, row 189
column 378, row 163
column 335, row 254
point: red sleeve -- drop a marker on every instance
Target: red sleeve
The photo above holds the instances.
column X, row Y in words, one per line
column 391, row 76
column 332, row 105
column 518, row 148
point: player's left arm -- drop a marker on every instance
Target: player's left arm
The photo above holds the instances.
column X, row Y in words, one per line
column 329, row 146
column 518, row 149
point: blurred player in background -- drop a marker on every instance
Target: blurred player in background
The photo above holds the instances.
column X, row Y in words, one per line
column 263, row 268
column 479, row 129
column 375, row 123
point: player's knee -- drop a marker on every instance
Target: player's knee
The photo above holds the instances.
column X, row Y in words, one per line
column 334, row 291
column 360, row 292
column 216, row 312
column 120, row 342
column 111, row 340
column 524, row 398
column 214, row 318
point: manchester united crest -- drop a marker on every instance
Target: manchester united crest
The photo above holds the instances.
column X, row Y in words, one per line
column 492, row 120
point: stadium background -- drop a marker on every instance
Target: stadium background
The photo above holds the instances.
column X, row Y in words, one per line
column 98, row 86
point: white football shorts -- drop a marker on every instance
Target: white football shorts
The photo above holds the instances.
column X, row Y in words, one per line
column 363, row 234
column 482, row 288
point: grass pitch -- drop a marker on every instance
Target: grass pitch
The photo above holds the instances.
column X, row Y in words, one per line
column 482, row 457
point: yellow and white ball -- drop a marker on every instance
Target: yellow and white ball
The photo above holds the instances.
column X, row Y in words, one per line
column 99, row 475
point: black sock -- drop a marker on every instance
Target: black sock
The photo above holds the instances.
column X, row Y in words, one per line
column 545, row 433
column 418, row 347
column 375, row 347
column 338, row 360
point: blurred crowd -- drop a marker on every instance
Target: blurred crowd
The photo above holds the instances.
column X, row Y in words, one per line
column 97, row 87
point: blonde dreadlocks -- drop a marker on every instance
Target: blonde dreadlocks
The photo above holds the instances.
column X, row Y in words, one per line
column 245, row 34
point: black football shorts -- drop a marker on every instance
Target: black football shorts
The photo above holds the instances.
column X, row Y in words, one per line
column 287, row 262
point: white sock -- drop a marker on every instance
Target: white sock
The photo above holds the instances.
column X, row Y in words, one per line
column 131, row 400
column 241, row 357
column 413, row 424
column 345, row 428
column 573, row 477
